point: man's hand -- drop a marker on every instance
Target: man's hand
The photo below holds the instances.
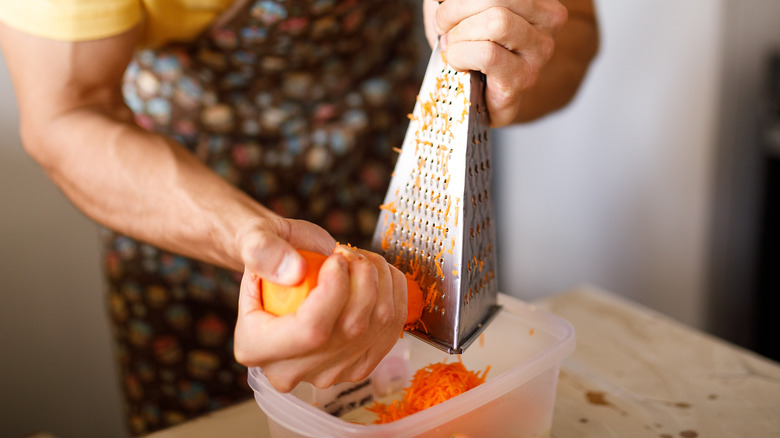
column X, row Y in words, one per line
column 340, row 332
column 511, row 42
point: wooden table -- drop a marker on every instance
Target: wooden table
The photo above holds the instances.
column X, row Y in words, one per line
column 635, row 373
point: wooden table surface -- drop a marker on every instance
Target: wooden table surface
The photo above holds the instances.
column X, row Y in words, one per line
column 635, row 373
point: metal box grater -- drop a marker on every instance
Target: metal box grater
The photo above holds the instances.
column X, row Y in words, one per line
column 436, row 220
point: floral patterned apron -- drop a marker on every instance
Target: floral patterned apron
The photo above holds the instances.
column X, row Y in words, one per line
column 297, row 102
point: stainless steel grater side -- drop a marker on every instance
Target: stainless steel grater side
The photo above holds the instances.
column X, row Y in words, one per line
column 436, row 221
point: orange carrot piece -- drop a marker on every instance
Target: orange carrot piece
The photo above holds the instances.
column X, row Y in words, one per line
column 431, row 385
column 281, row 300
column 414, row 301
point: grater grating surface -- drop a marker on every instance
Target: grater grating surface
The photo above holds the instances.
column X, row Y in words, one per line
column 435, row 223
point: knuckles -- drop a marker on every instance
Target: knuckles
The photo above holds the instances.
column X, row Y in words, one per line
column 243, row 357
column 384, row 314
column 499, row 21
column 557, row 15
column 323, row 381
column 314, row 336
column 355, row 328
column 546, row 49
column 282, row 384
column 361, row 370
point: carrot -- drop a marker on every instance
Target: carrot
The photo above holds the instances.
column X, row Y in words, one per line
column 430, row 386
column 281, row 300
column 414, row 301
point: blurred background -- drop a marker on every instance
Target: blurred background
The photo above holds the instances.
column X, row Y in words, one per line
column 653, row 185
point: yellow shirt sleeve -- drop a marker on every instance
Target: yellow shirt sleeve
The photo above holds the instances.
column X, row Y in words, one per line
column 71, row 20
column 162, row 21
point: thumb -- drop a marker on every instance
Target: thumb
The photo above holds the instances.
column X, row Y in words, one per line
column 429, row 20
column 265, row 251
column 309, row 236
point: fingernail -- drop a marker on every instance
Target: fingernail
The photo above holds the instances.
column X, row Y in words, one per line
column 285, row 272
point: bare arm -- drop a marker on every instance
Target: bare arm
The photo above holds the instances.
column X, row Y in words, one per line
column 75, row 124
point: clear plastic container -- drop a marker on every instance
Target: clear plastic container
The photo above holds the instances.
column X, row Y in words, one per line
column 524, row 348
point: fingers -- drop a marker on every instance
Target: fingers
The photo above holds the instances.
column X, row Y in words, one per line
column 506, row 48
column 547, row 15
column 320, row 313
column 387, row 321
column 508, row 75
column 358, row 348
column 466, row 44
column 385, row 309
column 385, row 342
column 501, row 26
column 261, row 338
column 363, row 294
column 510, row 41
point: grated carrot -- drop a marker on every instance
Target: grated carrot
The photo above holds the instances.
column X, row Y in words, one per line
column 390, row 206
column 430, row 296
column 438, row 265
column 431, row 385
column 388, row 236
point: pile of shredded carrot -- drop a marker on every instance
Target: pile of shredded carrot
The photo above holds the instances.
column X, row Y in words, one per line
column 430, row 386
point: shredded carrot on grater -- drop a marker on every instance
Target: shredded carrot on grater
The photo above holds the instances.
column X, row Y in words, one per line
column 430, row 386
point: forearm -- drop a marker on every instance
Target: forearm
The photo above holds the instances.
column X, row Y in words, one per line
column 142, row 184
column 575, row 47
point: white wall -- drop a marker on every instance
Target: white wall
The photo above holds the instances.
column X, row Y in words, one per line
column 56, row 368
column 614, row 191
